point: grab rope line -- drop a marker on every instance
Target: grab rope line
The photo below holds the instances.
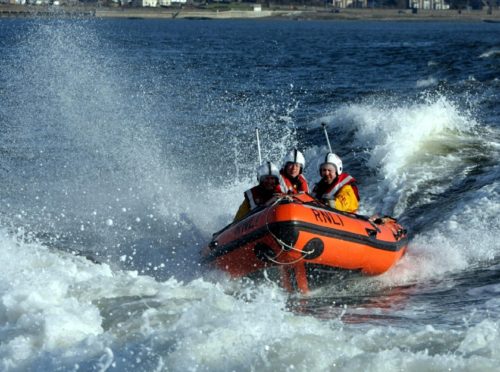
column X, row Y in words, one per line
column 281, row 243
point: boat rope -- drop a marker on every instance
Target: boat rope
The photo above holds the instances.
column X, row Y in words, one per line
column 280, row 242
column 284, row 263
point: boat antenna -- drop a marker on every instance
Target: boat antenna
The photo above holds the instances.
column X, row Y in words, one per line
column 258, row 145
column 326, row 136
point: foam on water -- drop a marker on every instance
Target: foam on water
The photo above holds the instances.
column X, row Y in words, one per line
column 38, row 311
column 490, row 53
column 424, row 83
column 467, row 239
column 422, row 154
column 60, row 311
column 415, row 147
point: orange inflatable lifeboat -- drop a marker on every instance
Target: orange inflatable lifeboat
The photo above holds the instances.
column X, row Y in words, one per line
column 303, row 242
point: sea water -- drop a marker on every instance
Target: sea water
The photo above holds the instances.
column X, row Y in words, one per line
column 126, row 143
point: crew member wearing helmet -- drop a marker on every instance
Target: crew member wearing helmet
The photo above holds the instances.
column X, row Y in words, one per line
column 336, row 189
column 292, row 175
column 270, row 183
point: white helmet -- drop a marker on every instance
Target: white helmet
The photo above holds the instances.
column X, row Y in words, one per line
column 333, row 159
column 267, row 169
column 295, row 156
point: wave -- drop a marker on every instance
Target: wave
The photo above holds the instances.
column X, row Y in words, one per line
column 413, row 148
column 64, row 311
column 490, row 53
column 429, row 163
column 424, row 83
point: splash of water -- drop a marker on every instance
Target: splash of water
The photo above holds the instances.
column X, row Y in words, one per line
column 414, row 147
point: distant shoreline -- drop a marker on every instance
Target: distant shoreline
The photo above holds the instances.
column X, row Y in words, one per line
column 301, row 14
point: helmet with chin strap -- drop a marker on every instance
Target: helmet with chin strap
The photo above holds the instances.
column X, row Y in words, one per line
column 295, row 156
column 334, row 160
column 267, row 169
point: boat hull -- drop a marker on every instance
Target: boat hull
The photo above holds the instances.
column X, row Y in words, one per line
column 301, row 237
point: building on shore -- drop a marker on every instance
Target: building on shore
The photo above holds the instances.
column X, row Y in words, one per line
column 429, row 4
column 350, row 3
column 159, row 3
column 401, row 4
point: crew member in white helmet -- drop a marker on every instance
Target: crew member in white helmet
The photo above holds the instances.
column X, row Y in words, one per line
column 336, row 189
column 291, row 173
column 270, row 183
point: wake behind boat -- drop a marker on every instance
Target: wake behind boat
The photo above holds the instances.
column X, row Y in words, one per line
column 306, row 241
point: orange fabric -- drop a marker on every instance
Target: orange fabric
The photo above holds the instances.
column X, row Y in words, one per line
column 294, row 186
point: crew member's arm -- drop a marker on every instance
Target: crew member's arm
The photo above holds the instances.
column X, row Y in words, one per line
column 346, row 200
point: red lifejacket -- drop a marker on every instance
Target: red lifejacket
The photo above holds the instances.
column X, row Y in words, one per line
column 257, row 195
column 294, row 186
column 324, row 191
